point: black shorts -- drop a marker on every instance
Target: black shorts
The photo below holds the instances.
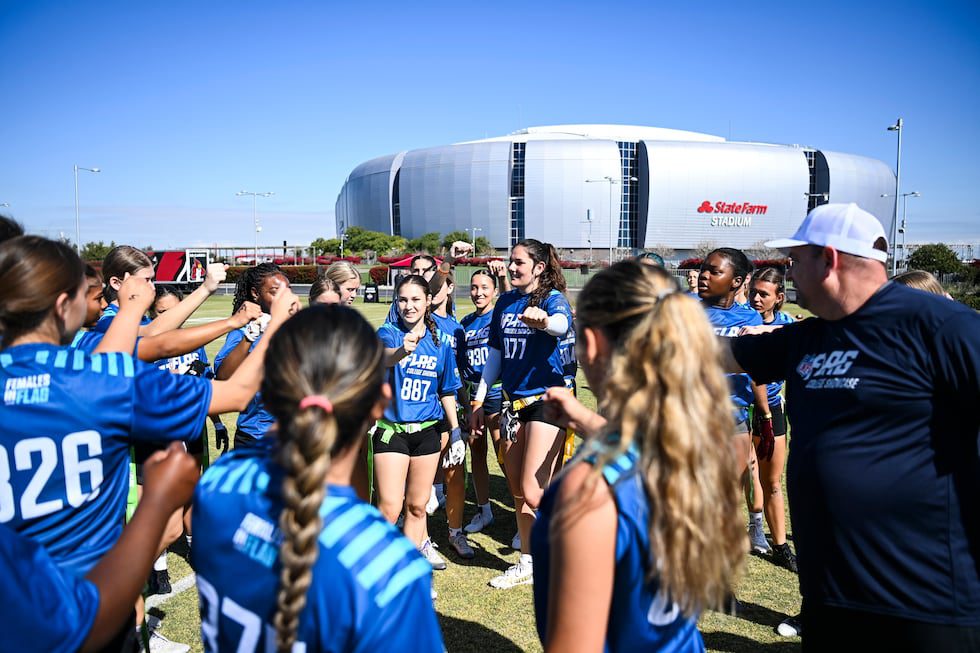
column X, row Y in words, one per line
column 778, row 420
column 442, row 426
column 143, row 450
column 245, row 439
column 422, row 443
column 535, row 413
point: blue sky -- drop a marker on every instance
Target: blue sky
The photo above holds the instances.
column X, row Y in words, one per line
column 184, row 103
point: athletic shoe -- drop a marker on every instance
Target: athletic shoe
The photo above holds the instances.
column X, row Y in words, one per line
column 480, row 521
column 433, row 503
column 160, row 644
column 435, row 594
column 521, row 573
column 429, row 552
column 757, row 538
column 461, row 545
column 783, row 556
column 159, row 582
column 516, row 542
column 790, row 627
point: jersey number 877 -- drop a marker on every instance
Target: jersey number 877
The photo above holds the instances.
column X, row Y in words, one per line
column 74, row 468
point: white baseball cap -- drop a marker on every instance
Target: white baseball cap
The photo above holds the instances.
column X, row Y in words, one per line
column 846, row 227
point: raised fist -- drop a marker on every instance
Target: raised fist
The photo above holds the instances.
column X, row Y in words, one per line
column 534, row 317
column 410, row 342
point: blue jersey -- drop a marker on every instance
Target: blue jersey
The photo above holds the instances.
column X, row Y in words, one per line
column 44, row 608
column 774, row 389
column 473, row 356
column 68, row 418
column 179, row 364
column 418, row 380
column 726, row 323
column 89, row 340
column 641, row 618
column 531, row 360
column 370, row 589
column 450, row 331
column 883, row 476
column 255, row 420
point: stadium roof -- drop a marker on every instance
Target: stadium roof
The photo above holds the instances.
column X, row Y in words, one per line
column 602, row 132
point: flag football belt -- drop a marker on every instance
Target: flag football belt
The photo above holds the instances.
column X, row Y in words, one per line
column 509, row 423
column 388, row 429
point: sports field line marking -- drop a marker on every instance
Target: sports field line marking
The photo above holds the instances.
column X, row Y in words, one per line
column 179, row 587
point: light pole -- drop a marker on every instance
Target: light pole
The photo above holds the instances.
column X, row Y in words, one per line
column 897, row 127
column 472, row 233
column 612, row 238
column 255, row 218
column 78, row 236
column 588, row 219
column 905, row 209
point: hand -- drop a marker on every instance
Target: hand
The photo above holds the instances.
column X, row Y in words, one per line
column 534, row 317
column 766, row 438
column 561, row 407
column 456, row 453
column 285, row 304
column 169, row 477
column 497, row 268
column 460, row 248
column 477, row 420
column 410, row 342
column 137, row 292
column 221, row 440
column 249, row 311
column 217, row 272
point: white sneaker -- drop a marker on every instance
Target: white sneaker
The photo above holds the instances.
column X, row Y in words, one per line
column 790, row 627
column 462, row 546
column 160, row 644
column 521, row 573
column 433, row 503
column 480, row 521
column 757, row 538
column 435, row 594
column 428, row 551
column 516, row 542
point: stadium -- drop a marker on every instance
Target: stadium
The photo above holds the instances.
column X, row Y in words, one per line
column 597, row 187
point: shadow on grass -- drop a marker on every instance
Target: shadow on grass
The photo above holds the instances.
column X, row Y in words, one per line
column 760, row 614
column 731, row 643
column 462, row 635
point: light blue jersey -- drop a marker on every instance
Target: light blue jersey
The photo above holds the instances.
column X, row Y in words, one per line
column 255, row 420
column 774, row 389
column 89, row 340
column 726, row 323
column 370, row 589
column 68, row 420
column 418, row 380
column 641, row 617
column 531, row 360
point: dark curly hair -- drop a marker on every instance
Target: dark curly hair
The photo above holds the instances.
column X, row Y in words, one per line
column 251, row 280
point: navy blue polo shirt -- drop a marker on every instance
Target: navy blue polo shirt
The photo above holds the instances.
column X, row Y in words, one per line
column 883, row 474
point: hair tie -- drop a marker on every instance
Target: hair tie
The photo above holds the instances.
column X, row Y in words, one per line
column 316, row 400
column 666, row 292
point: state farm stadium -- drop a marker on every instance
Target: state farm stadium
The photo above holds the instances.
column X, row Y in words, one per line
column 596, row 187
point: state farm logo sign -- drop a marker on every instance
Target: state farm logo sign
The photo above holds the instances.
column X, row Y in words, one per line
column 732, row 214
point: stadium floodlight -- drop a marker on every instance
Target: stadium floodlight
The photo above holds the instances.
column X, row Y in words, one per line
column 78, row 241
column 255, row 219
column 897, row 127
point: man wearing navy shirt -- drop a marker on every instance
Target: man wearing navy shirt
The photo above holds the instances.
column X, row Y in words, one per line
column 884, row 476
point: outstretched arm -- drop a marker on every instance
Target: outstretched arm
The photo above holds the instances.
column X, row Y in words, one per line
column 177, row 315
column 183, row 341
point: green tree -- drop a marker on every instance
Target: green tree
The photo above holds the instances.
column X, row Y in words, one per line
column 427, row 243
column 324, row 247
column 360, row 239
column 453, row 236
column 483, row 246
column 96, row 251
column 936, row 258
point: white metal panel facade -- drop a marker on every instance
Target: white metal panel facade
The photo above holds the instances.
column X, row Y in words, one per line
column 557, row 195
column 732, row 194
column 863, row 181
column 365, row 200
column 456, row 187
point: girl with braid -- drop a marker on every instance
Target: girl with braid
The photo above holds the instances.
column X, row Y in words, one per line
column 640, row 532
column 287, row 557
column 525, row 353
column 424, row 379
column 257, row 285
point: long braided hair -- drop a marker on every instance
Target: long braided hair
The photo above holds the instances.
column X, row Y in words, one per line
column 661, row 393
column 552, row 277
column 430, row 323
column 330, row 352
column 250, row 282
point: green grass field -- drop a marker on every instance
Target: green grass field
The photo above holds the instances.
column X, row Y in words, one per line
column 475, row 617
